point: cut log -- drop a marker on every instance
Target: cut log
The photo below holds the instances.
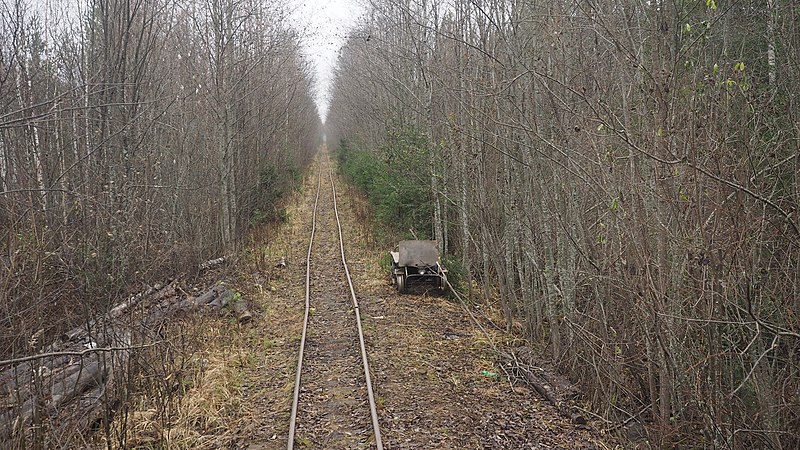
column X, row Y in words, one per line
column 73, row 389
column 243, row 314
column 211, row 264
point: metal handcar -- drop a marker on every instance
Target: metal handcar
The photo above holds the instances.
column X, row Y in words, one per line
column 416, row 264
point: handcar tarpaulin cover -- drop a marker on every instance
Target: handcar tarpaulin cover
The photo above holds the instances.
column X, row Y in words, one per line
column 418, row 253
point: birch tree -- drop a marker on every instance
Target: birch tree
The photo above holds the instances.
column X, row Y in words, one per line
column 622, row 176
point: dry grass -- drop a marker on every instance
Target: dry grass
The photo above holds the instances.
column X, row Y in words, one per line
column 206, row 406
column 237, row 384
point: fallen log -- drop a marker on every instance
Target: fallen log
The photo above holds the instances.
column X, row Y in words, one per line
column 211, row 264
column 538, row 379
column 77, row 380
column 218, row 297
column 241, row 310
column 532, row 380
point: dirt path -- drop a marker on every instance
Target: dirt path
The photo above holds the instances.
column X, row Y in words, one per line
column 429, row 363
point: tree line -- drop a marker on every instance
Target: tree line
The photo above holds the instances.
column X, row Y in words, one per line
column 622, row 175
column 137, row 139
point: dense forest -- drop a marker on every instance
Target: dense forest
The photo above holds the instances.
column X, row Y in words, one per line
column 622, row 176
column 137, row 139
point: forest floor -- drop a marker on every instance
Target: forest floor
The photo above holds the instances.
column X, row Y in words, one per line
column 437, row 379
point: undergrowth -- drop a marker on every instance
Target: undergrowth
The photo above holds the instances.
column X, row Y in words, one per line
column 395, row 179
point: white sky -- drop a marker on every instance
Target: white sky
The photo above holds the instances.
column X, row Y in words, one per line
column 324, row 25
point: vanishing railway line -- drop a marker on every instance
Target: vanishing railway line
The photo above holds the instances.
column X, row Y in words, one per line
column 331, row 399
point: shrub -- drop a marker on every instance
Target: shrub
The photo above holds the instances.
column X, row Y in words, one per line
column 395, row 179
column 456, row 274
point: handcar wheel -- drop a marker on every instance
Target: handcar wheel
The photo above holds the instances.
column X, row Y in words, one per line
column 401, row 283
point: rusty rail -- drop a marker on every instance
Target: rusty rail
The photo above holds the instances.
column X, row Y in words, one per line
column 296, row 397
column 372, row 407
column 365, row 362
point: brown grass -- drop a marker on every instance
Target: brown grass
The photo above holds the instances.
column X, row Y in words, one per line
column 237, row 385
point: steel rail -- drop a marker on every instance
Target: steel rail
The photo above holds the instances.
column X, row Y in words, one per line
column 365, row 362
column 296, row 397
column 373, row 410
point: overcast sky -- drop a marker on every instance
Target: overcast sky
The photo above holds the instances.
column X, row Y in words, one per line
column 324, row 25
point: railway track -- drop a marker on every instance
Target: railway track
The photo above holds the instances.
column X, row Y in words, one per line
column 333, row 404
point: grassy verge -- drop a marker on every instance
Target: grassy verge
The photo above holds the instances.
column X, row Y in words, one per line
column 229, row 384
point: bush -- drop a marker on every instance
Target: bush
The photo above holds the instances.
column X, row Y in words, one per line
column 456, row 274
column 273, row 184
column 395, row 179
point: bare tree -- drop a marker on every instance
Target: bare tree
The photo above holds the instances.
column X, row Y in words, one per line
column 621, row 180
column 137, row 138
